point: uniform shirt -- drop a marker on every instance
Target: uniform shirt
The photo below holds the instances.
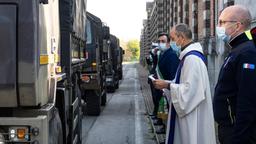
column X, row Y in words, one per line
column 234, row 101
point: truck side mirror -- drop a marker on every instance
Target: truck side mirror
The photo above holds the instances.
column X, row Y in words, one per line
column 123, row 52
column 106, row 34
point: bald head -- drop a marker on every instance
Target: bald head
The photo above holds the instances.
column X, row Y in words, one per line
column 238, row 13
column 235, row 19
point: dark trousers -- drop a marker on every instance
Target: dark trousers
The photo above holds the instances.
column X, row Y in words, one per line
column 156, row 96
column 225, row 134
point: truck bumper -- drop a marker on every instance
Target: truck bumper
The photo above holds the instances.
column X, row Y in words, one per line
column 39, row 122
column 93, row 84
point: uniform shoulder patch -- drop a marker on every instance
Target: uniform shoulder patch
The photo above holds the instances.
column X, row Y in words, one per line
column 248, row 66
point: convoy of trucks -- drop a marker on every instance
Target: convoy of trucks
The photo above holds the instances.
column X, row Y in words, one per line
column 53, row 63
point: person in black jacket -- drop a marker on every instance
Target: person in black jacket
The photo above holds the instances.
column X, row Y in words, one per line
column 234, row 101
column 167, row 63
column 152, row 71
column 168, row 60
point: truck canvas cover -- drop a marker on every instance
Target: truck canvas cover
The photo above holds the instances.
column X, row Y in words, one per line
column 72, row 25
column 73, row 17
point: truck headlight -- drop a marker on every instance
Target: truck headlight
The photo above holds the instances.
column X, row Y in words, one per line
column 18, row 134
column 12, row 133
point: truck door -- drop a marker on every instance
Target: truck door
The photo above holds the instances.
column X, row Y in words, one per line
column 8, row 60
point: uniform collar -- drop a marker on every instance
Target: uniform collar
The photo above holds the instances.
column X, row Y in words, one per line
column 238, row 40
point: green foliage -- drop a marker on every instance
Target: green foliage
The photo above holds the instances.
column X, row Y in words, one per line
column 133, row 47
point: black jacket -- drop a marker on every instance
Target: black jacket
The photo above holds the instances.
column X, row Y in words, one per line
column 234, row 101
column 168, row 64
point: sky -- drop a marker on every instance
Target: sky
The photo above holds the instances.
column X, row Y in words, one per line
column 124, row 17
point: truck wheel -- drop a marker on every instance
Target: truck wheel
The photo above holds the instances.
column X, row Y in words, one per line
column 80, row 114
column 93, row 102
column 117, row 85
column 55, row 129
column 104, row 99
column 83, row 103
column 111, row 89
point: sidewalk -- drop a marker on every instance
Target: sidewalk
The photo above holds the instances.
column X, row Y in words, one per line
column 146, row 92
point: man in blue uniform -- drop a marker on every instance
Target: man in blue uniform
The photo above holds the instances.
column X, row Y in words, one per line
column 234, row 102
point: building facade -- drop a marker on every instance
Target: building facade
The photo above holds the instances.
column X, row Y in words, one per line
column 158, row 20
column 202, row 17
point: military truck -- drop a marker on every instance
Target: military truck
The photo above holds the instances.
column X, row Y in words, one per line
column 119, row 63
column 112, row 78
column 96, row 48
column 42, row 46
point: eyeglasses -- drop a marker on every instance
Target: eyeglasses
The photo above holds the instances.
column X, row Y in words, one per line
column 221, row 22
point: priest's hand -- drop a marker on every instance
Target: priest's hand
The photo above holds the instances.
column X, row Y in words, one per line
column 160, row 84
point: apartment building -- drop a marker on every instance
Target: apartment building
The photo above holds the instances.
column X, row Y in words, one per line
column 202, row 17
column 158, row 20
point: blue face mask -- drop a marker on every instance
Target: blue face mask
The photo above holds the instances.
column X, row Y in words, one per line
column 175, row 47
column 221, row 34
column 162, row 46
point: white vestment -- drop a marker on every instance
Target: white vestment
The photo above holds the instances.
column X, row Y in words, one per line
column 193, row 102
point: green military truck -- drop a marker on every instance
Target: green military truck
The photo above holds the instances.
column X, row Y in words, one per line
column 119, row 63
column 113, row 67
column 42, row 46
column 96, row 48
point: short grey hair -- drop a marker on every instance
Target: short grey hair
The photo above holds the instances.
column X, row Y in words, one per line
column 183, row 30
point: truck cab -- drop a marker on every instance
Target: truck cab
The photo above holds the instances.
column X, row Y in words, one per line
column 42, row 44
column 112, row 79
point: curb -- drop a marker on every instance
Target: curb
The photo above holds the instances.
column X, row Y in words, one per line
column 146, row 93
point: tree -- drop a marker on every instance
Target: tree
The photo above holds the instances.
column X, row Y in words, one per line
column 134, row 47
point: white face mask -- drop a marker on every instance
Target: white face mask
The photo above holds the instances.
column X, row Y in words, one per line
column 221, row 33
column 162, row 46
column 175, row 47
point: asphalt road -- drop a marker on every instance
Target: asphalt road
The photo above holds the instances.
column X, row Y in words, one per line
column 123, row 120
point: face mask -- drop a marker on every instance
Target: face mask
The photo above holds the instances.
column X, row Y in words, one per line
column 162, row 46
column 221, row 33
column 175, row 47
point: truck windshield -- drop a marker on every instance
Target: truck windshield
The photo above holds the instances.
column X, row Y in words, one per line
column 88, row 32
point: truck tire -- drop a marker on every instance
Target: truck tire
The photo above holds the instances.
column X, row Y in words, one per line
column 93, row 102
column 117, row 85
column 111, row 89
column 80, row 114
column 104, row 99
column 55, row 129
column 83, row 103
